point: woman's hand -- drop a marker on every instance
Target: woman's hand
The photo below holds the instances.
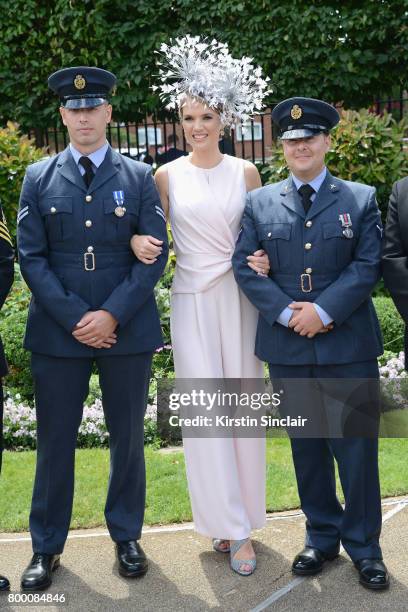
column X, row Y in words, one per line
column 259, row 262
column 146, row 248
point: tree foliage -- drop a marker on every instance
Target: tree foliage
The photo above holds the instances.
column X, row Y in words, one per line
column 349, row 51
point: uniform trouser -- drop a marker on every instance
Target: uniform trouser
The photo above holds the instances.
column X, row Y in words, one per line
column 358, row 526
column 61, row 387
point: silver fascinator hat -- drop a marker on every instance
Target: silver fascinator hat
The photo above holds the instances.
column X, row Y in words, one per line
column 205, row 70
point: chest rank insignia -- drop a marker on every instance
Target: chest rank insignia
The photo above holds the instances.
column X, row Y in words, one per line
column 79, row 82
column 296, row 112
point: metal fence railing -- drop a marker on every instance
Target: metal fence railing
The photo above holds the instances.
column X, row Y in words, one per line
column 396, row 106
column 150, row 139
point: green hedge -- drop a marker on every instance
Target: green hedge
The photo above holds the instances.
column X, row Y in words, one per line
column 351, row 51
column 392, row 326
column 13, row 317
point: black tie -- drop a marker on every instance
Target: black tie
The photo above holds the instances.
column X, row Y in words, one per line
column 306, row 192
column 87, row 165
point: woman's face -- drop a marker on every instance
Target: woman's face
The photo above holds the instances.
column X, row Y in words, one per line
column 201, row 125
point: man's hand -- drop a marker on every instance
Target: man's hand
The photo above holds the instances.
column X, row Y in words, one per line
column 96, row 329
column 146, row 248
column 259, row 262
column 305, row 321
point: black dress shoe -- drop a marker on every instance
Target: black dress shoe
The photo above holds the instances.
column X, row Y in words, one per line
column 38, row 574
column 4, row 584
column 131, row 558
column 373, row 574
column 310, row 561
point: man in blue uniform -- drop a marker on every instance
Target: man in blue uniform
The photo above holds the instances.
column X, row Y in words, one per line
column 92, row 302
column 6, row 280
column 317, row 321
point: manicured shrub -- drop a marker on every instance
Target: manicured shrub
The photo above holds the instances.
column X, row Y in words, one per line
column 392, row 326
column 13, row 318
column 16, row 153
column 19, row 379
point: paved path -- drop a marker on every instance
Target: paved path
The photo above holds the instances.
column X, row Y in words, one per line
column 186, row 575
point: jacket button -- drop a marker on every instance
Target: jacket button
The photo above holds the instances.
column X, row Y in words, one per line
column 88, row 223
column 53, row 209
column 90, row 249
column 308, row 246
column 88, row 198
column 309, row 223
column 269, row 234
column 308, row 270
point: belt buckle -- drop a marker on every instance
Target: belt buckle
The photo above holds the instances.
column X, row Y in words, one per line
column 306, row 278
column 92, row 265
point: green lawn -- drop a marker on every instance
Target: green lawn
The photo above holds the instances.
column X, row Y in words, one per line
column 167, row 497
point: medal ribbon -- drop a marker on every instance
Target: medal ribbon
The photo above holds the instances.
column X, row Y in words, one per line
column 119, row 197
column 345, row 220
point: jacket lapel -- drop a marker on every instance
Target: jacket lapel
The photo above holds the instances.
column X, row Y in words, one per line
column 108, row 168
column 69, row 170
column 326, row 196
column 291, row 199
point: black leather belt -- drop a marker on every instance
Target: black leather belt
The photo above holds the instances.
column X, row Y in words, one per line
column 90, row 261
column 305, row 282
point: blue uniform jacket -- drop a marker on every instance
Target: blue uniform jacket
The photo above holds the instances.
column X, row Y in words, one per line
column 343, row 271
column 60, row 221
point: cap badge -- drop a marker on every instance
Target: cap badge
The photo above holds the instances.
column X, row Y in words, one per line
column 79, row 82
column 296, row 112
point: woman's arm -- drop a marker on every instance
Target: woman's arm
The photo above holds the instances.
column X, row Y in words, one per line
column 258, row 261
column 148, row 248
column 252, row 178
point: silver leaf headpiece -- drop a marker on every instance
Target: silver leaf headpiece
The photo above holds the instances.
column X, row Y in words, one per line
column 206, row 70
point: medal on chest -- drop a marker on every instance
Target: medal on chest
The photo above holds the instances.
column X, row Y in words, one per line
column 346, row 223
column 119, row 198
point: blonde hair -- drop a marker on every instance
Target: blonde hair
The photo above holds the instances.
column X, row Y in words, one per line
column 184, row 98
